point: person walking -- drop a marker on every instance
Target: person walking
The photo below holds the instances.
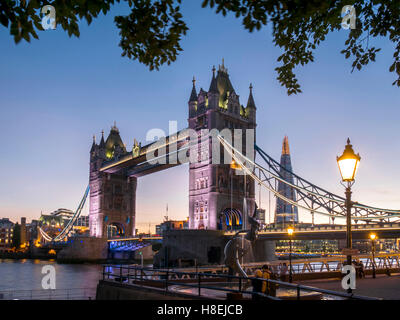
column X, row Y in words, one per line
column 361, row 270
column 284, row 271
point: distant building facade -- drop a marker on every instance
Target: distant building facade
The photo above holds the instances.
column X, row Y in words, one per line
column 6, row 233
column 172, row 225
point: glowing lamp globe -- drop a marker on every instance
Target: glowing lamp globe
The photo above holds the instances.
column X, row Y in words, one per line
column 235, row 165
column 348, row 163
column 290, row 231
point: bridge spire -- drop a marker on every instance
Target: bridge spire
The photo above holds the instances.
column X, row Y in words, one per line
column 93, row 144
column 193, row 94
column 250, row 101
column 102, row 143
column 213, row 85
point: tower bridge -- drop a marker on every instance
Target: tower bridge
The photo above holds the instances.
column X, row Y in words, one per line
column 219, row 197
column 114, row 171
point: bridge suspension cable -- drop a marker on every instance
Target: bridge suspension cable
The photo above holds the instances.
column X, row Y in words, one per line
column 70, row 223
column 311, row 197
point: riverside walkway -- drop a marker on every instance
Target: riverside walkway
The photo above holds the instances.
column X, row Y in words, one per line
column 383, row 286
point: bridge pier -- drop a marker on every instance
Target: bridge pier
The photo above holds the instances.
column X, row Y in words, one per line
column 264, row 250
column 84, row 249
column 203, row 247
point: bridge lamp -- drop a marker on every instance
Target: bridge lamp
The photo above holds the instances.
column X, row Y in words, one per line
column 372, row 236
column 348, row 163
column 235, row 165
column 290, row 232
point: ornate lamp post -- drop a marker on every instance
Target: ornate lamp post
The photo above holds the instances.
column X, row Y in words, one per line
column 290, row 231
column 348, row 163
column 372, row 236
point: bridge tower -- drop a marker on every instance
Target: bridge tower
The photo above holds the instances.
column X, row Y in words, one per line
column 286, row 213
column 112, row 196
column 216, row 192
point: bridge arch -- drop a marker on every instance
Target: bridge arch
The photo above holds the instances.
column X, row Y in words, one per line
column 115, row 230
column 230, row 219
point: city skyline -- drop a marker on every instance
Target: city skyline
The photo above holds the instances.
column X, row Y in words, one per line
column 60, row 91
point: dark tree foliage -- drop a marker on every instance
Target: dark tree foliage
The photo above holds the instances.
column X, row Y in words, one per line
column 152, row 31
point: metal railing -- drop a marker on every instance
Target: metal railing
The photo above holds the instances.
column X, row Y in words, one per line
column 49, row 294
column 207, row 285
column 383, row 261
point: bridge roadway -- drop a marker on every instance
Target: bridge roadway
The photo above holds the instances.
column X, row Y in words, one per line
column 138, row 165
column 334, row 232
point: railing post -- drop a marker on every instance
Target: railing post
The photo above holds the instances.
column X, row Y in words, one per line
column 199, row 282
column 166, row 281
column 298, row 292
column 120, row 273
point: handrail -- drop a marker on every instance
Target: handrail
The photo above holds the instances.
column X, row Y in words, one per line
column 160, row 273
column 36, row 294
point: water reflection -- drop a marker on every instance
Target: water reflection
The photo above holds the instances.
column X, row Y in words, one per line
column 26, row 274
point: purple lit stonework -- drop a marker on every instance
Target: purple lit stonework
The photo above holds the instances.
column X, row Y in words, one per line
column 216, row 192
column 112, row 196
column 210, row 185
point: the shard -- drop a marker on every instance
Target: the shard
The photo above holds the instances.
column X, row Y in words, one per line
column 286, row 213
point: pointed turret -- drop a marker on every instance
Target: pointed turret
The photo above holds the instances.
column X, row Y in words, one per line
column 250, row 101
column 222, row 86
column 193, row 95
column 93, row 144
column 114, row 144
column 102, row 143
column 213, row 85
column 251, row 106
column 193, row 100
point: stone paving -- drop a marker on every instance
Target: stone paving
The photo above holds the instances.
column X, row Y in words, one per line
column 383, row 286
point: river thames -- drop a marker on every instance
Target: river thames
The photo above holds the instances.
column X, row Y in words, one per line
column 27, row 274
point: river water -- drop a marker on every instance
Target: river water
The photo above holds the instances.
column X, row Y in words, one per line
column 27, row 274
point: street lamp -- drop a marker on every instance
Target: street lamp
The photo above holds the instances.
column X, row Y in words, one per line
column 372, row 236
column 348, row 163
column 290, row 231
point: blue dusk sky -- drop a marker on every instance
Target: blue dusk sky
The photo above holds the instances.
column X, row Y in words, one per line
column 56, row 92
